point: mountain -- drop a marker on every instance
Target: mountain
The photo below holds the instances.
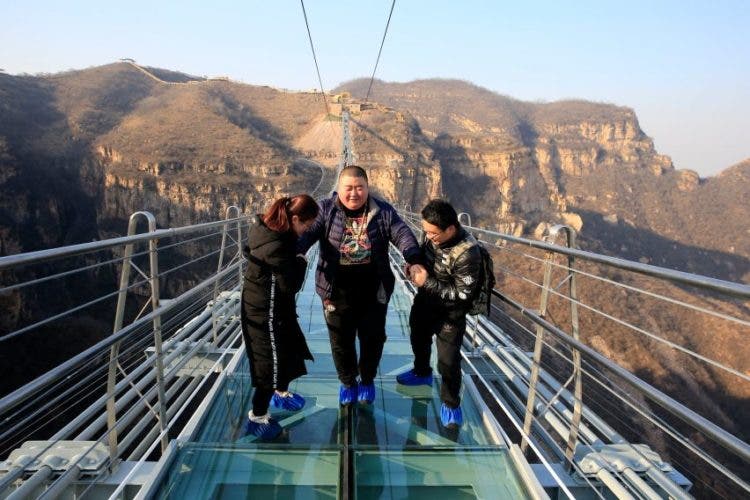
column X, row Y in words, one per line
column 586, row 164
column 166, row 136
column 80, row 151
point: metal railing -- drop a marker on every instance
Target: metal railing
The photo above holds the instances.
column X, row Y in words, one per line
column 122, row 393
column 613, row 432
column 577, row 426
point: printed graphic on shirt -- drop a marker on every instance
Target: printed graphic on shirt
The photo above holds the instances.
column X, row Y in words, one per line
column 355, row 246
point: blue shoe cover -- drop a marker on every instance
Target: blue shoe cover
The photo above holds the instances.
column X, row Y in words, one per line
column 288, row 401
column 366, row 393
column 451, row 417
column 264, row 428
column 411, row 378
column 347, row 395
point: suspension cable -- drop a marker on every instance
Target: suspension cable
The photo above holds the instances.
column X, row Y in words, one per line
column 382, row 42
column 317, row 68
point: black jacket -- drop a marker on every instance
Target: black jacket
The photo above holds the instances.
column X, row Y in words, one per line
column 453, row 283
column 273, row 338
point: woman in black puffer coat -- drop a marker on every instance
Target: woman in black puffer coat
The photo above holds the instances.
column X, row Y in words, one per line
column 275, row 345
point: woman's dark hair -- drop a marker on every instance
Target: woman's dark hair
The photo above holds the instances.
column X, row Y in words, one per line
column 279, row 216
column 440, row 213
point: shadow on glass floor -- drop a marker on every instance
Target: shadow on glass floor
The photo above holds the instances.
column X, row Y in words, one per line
column 400, row 416
column 397, row 447
column 316, row 424
column 460, row 473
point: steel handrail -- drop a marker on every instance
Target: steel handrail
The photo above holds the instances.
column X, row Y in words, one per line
column 23, row 393
column 697, row 280
column 11, row 261
column 730, row 441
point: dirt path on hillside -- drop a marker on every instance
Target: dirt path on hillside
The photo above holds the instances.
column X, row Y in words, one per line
column 327, row 177
column 324, row 137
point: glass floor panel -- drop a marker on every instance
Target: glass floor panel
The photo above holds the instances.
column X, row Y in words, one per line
column 219, row 472
column 316, row 424
column 400, row 416
column 436, row 475
column 405, row 416
column 400, row 449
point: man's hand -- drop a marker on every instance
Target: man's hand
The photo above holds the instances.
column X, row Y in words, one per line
column 418, row 274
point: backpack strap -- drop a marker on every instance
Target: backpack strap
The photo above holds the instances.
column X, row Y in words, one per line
column 255, row 260
column 459, row 248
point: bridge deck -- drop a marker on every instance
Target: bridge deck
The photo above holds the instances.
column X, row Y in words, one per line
column 396, row 448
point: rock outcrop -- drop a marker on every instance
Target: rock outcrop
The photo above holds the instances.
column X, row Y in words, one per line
column 585, row 164
column 81, row 151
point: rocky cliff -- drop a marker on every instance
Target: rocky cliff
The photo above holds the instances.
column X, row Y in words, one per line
column 81, row 151
column 588, row 165
column 186, row 151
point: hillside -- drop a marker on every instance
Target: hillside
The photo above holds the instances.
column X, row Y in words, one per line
column 582, row 163
column 80, row 151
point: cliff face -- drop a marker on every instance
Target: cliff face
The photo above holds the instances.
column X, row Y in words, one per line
column 81, row 151
column 393, row 149
column 584, row 164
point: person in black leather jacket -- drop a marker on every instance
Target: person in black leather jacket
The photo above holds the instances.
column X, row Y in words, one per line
column 446, row 290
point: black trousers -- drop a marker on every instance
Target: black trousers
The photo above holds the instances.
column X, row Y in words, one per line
column 358, row 314
column 428, row 319
column 262, row 399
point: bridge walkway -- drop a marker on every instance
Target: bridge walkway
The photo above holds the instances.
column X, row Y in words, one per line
column 395, row 448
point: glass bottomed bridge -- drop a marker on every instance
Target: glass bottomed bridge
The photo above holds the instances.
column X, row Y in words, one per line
column 395, row 448
column 158, row 408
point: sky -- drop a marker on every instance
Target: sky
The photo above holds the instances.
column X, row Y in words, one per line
column 683, row 66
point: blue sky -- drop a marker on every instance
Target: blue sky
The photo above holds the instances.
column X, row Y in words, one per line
column 684, row 66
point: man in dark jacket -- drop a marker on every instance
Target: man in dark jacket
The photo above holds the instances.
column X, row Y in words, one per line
column 354, row 278
column 446, row 291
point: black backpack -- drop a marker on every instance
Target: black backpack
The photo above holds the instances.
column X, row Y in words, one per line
column 481, row 302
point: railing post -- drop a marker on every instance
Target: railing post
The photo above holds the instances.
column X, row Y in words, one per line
column 536, row 360
column 118, row 324
column 159, row 366
column 240, row 273
column 538, row 344
column 577, row 382
column 224, row 233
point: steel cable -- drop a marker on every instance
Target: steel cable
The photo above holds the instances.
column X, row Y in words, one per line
column 380, row 50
